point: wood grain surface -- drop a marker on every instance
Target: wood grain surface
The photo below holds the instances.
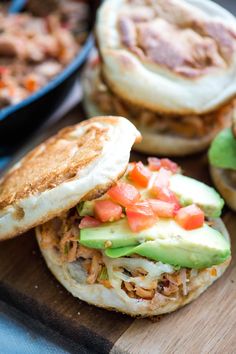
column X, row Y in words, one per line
column 205, row 326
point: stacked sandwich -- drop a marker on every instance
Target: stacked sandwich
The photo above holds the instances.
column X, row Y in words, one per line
column 144, row 240
column 167, row 65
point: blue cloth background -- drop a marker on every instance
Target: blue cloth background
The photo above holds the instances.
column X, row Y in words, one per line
column 21, row 335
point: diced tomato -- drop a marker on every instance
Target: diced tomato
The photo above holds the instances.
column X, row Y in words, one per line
column 165, row 194
column 106, row 210
column 140, row 216
column 162, row 178
column 169, row 165
column 163, row 209
column 89, row 221
column 124, row 194
column 140, row 174
column 190, row 217
column 160, row 188
column 154, row 163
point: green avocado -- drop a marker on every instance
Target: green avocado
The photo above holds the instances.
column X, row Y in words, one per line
column 191, row 191
column 222, row 152
column 118, row 233
column 85, row 208
column 166, row 241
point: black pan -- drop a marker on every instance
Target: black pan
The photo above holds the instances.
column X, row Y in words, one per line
column 17, row 121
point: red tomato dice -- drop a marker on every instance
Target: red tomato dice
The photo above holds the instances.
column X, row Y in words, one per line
column 190, row 217
column 169, row 165
column 166, row 195
column 162, row 178
column 124, row 194
column 163, row 209
column 154, row 163
column 160, row 188
column 106, row 210
column 140, row 174
column 140, row 216
column 89, row 221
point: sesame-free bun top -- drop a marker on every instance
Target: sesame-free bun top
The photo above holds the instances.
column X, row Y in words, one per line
column 79, row 163
column 170, row 56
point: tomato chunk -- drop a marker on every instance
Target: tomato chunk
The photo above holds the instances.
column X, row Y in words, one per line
column 124, row 194
column 89, row 221
column 140, row 216
column 140, row 174
column 154, row 163
column 162, row 178
column 160, row 188
column 163, row 209
column 166, row 195
column 106, row 210
column 190, row 217
column 169, row 165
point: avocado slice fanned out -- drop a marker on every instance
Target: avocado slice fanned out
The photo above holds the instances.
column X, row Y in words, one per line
column 163, row 251
column 191, row 191
column 166, row 241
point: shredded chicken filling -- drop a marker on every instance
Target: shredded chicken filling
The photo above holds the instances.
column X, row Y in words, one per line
column 33, row 50
column 194, row 126
column 136, row 281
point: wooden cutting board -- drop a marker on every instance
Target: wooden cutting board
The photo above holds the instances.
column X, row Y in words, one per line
column 205, row 326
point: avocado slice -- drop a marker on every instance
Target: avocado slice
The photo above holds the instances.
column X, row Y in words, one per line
column 184, row 255
column 85, row 208
column 118, row 233
column 191, row 191
column 166, row 241
column 222, row 152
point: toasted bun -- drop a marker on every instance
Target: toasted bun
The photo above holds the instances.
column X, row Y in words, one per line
column 152, row 143
column 112, row 299
column 170, row 56
column 224, row 186
column 79, row 163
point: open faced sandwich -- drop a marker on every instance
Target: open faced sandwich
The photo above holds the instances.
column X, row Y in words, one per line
column 140, row 239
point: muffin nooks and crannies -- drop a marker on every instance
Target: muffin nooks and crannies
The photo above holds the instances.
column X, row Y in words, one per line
column 168, row 67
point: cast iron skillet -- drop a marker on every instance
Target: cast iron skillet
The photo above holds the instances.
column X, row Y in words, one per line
column 17, row 121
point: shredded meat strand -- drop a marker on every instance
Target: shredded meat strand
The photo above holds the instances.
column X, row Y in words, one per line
column 190, row 126
column 95, row 269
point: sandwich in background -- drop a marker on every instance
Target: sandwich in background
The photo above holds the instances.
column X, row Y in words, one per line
column 167, row 65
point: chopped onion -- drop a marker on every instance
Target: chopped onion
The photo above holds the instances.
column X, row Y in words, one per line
column 183, row 277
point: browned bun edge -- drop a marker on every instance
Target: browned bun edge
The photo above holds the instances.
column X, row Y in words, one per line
column 228, row 192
